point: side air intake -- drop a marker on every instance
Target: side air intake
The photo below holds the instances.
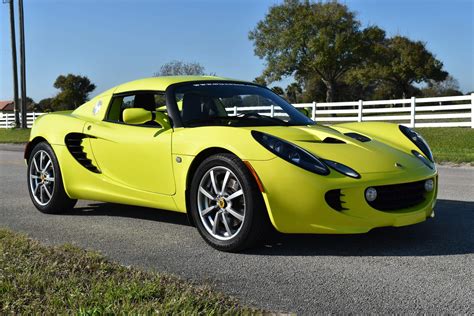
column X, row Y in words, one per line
column 74, row 145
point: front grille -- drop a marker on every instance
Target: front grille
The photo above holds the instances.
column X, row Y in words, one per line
column 399, row 196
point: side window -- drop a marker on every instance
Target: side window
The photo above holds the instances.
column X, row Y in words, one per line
column 127, row 102
column 151, row 101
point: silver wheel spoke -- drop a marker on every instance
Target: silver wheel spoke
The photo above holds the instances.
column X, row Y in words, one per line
column 41, row 160
column 234, row 195
column 35, row 176
column 36, row 166
column 207, row 194
column 47, row 191
column 226, row 225
column 216, row 222
column 224, row 182
column 49, row 179
column 213, row 181
column 47, row 165
column 207, row 210
column 41, row 193
column 235, row 214
column 35, row 191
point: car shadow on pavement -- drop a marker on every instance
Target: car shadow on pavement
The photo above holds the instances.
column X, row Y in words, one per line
column 451, row 232
column 119, row 210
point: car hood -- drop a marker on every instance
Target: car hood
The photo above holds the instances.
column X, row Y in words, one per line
column 365, row 157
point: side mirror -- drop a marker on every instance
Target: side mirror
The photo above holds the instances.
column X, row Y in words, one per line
column 139, row 116
column 136, row 116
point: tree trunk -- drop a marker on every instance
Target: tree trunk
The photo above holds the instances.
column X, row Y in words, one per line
column 330, row 91
column 330, row 87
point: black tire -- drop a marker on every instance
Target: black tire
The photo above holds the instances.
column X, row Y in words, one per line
column 255, row 226
column 59, row 202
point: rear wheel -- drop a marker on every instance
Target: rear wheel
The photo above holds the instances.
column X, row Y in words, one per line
column 45, row 183
column 226, row 204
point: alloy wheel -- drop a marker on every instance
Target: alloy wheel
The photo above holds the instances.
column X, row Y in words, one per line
column 41, row 176
column 221, row 203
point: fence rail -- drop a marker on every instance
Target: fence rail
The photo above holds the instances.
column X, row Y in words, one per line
column 7, row 120
column 449, row 111
column 454, row 111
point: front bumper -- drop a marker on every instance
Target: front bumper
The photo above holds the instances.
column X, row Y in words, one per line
column 295, row 199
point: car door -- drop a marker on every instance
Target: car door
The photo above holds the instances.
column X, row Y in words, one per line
column 134, row 156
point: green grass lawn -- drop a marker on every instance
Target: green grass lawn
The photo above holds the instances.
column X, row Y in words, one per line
column 450, row 144
column 14, row 135
column 38, row 279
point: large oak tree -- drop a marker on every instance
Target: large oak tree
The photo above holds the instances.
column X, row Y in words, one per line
column 307, row 40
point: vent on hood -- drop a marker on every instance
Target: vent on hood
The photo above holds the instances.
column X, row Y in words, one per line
column 358, row 137
column 332, row 140
column 74, row 145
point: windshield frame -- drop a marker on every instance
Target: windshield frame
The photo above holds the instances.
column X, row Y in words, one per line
column 175, row 115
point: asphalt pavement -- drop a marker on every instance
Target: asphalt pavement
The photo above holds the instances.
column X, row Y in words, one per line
column 424, row 268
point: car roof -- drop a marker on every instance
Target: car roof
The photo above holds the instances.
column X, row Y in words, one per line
column 161, row 83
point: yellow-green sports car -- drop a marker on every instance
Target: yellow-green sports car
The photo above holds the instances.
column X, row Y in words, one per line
column 234, row 156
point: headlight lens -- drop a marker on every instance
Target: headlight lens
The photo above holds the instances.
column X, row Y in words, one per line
column 291, row 153
column 422, row 158
column 418, row 140
column 345, row 170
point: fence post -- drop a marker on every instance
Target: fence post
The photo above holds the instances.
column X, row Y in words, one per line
column 412, row 112
column 359, row 114
column 6, row 121
column 313, row 111
column 272, row 110
column 235, row 110
column 472, row 110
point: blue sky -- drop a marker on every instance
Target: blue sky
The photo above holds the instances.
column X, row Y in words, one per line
column 112, row 42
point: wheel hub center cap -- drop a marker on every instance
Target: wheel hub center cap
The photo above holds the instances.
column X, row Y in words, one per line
column 221, row 203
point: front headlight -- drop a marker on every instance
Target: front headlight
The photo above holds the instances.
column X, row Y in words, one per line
column 341, row 168
column 418, row 140
column 423, row 159
column 291, row 153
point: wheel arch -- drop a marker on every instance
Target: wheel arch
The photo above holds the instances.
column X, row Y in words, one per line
column 31, row 144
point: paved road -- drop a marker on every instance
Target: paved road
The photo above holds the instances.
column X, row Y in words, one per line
column 426, row 268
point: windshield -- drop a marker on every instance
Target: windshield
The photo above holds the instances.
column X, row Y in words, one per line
column 234, row 104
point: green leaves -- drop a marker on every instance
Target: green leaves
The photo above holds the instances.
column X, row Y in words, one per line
column 180, row 68
column 324, row 42
column 74, row 91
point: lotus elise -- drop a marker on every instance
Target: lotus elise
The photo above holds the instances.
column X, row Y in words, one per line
column 238, row 159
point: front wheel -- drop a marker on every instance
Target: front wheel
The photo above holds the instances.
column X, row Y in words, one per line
column 227, row 205
column 45, row 184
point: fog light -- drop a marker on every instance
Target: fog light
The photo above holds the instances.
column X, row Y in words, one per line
column 370, row 194
column 429, row 185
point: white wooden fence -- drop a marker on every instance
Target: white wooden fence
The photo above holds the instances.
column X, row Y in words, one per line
column 7, row 120
column 455, row 111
